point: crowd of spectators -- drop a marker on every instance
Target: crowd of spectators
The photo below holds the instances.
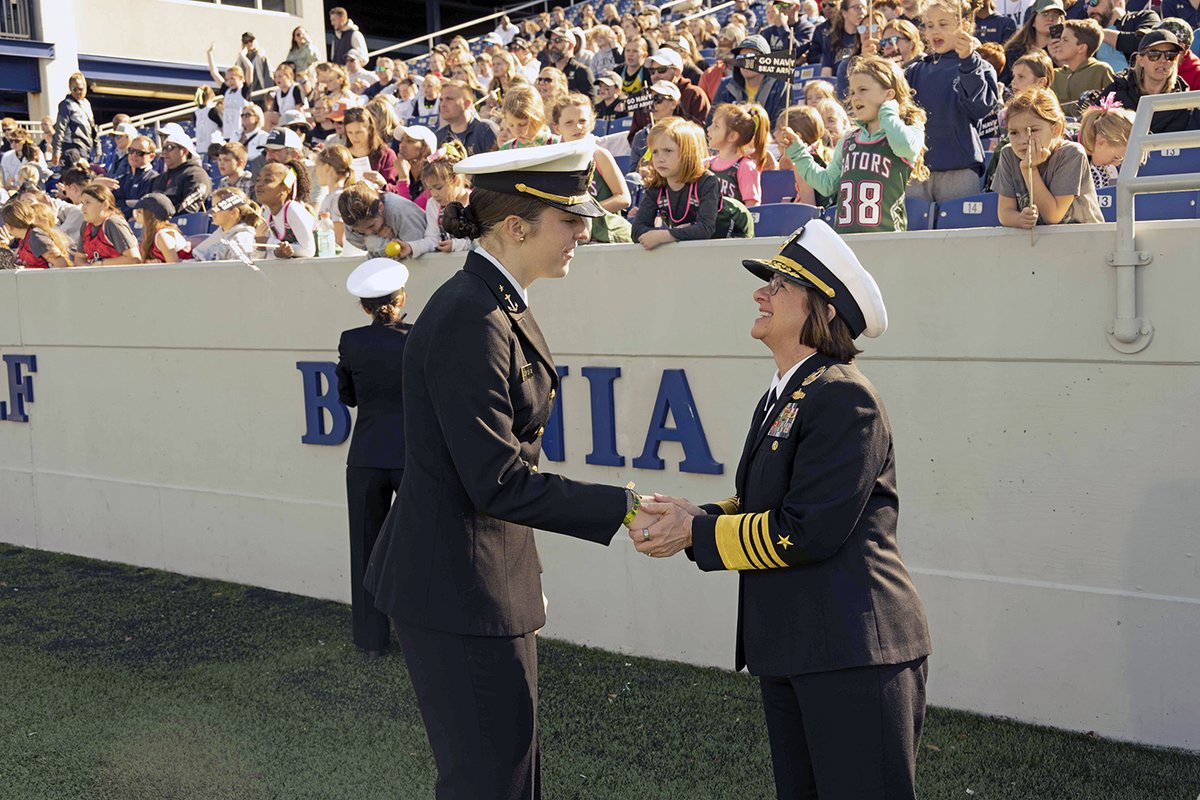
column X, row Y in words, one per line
column 1035, row 103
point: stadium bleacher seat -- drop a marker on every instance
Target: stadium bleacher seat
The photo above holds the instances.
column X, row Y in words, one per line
column 1165, row 205
column 708, row 53
column 189, row 127
column 429, row 121
column 976, row 211
column 601, row 127
column 806, row 71
column 778, row 185
column 623, row 163
column 192, row 224
column 921, row 213
column 1171, row 162
column 620, row 125
column 780, row 219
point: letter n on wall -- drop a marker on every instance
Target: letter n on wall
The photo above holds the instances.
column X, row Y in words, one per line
column 320, row 395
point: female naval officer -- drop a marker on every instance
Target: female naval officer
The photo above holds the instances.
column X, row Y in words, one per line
column 455, row 566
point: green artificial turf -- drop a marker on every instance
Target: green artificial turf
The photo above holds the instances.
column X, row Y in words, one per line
column 119, row 683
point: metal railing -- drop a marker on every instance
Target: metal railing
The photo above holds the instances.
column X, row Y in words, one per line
column 169, row 113
column 16, row 19
column 1131, row 331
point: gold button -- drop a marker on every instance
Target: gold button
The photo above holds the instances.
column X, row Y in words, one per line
column 774, row 445
column 553, row 394
column 533, row 467
column 540, row 431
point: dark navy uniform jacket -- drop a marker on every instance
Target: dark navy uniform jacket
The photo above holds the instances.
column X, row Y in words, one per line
column 369, row 371
column 457, row 550
column 812, row 531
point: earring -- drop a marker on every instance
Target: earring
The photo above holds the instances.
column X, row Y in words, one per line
column 521, row 239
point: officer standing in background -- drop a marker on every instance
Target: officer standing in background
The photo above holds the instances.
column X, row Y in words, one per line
column 370, row 376
column 828, row 618
column 456, row 566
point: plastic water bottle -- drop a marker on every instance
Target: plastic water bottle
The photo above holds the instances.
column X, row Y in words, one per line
column 326, row 241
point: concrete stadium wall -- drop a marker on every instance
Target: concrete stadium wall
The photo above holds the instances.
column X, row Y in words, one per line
column 1048, row 483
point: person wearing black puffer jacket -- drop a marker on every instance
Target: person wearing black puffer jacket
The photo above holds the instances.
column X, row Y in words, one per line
column 1156, row 71
column 184, row 182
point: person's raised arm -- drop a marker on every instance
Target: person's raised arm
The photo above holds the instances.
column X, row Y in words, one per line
column 212, row 66
column 610, row 173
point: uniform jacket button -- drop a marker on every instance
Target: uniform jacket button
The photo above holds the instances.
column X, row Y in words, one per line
column 540, row 431
column 533, row 467
column 553, row 394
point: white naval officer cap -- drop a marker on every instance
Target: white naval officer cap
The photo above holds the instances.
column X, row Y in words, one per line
column 558, row 175
column 816, row 256
column 377, row 277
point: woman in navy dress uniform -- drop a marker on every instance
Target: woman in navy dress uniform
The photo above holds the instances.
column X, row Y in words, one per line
column 456, row 567
column 370, row 360
column 828, row 618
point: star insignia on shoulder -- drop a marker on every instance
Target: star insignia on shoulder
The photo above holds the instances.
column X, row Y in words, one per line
column 785, row 542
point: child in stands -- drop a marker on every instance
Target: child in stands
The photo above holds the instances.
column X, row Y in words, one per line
column 1061, row 190
column 836, row 121
column 236, row 94
column 1032, row 71
column 573, row 120
column 162, row 241
column 804, row 122
column 683, row 200
column 107, row 239
column 872, row 163
column 445, row 186
column 41, row 245
column 1104, row 133
column 958, row 90
column 525, row 118
column 287, row 227
column 334, row 174
column 235, row 216
column 288, row 94
column 739, row 135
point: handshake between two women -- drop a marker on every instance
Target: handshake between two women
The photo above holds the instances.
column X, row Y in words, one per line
column 663, row 525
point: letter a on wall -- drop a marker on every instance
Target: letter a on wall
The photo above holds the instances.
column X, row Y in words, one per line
column 675, row 398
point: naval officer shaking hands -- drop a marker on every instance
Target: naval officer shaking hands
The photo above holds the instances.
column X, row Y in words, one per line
column 828, row 618
column 456, row 567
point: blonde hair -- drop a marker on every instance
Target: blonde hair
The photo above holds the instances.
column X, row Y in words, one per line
column 1039, row 64
column 384, row 114
column 29, row 173
column 1113, row 124
column 27, row 214
column 572, row 100
column 838, row 109
column 524, row 102
column 338, row 158
column 821, row 87
column 1037, row 101
column 887, row 74
column 248, row 211
column 693, row 149
column 809, row 126
column 749, row 122
column 442, row 167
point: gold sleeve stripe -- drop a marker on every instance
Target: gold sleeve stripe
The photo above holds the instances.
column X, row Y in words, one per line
column 746, row 536
column 764, row 530
column 760, row 549
column 731, row 506
column 729, row 542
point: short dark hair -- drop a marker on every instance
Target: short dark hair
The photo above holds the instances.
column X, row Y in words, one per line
column 75, row 176
column 1087, row 32
column 829, row 337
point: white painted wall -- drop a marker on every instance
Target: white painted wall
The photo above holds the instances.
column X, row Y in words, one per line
column 177, row 31
column 1048, row 483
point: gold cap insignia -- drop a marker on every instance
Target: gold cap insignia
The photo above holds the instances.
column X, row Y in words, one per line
column 813, row 377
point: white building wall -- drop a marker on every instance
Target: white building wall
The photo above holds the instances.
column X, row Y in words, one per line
column 1048, row 483
column 177, row 31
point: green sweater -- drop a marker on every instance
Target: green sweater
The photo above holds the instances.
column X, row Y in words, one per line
column 1069, row 85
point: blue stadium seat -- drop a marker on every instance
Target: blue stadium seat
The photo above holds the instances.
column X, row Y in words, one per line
column 620, row 125
column 601, row 127
column 192, row 224
column 189, row 127
column 1171, row 162
column 806, row 71
column 1167, row 205
column 778, row 185
column 214, row 173
column 708, row 53
column 976, row 211
column 921, row 213
column 623, row 163
column 429, row 121
column 780, row 219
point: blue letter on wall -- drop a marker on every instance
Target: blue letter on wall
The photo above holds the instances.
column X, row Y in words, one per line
column 675, row 398
column 20, row 387
column 552, row 440
column 321, row 396
column 604, row 417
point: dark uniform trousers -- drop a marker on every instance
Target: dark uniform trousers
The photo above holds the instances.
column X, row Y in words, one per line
column 828, row 618
column 370, row 377
column 369, row 493
column 456, row 566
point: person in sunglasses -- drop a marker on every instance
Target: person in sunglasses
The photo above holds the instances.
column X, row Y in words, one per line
column 1155, row 70
column 1123, row 29
column 134, row 184
column 185, row 183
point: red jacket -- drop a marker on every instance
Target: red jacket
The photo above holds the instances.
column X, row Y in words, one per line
column 694, row 105
column 1189, row 69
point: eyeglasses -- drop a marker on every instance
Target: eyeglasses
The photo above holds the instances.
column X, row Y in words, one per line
column 142, row 153
column 168, row 147
column 545, row 80
column 890, row 41
column 775, row 284
column 248, row 114
column 1159, row 55
column 659, row 70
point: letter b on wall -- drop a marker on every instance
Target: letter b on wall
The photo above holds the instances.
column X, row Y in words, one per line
column 320, row 396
